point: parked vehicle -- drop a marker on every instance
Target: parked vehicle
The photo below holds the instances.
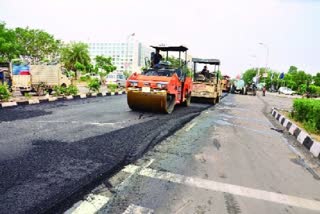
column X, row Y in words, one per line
column 206, row 88
column 45, row 77
column 21, row 77
column 286, row 91
column 37, row 78
column 117, row 78
column 162, row 86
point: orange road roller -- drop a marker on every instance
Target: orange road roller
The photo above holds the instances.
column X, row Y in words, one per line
column 163, row 85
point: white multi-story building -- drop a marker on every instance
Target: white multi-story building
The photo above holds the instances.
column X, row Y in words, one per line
column 126, row 56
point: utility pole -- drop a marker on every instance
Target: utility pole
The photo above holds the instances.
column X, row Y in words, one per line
column 127, row 60
column 267, row 56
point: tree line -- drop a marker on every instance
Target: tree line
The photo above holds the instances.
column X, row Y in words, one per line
column 38, row 46
column 296, row 79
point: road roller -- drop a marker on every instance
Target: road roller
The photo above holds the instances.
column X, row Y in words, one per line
column 161, row 86
column 207, row 86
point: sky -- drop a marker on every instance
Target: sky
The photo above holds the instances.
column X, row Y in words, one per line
column 229, row 30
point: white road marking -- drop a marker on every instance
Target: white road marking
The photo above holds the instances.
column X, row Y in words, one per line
column 91, row 205
column 191, row 126
column 134, row 209
column 227, row 188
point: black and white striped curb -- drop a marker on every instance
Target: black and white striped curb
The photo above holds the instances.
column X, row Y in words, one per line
column 52, row 99
column 302, row 137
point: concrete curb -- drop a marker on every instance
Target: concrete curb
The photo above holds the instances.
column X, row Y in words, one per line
column 302, row 137
column 53, row 99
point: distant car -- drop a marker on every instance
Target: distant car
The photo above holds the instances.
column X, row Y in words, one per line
column 116, row 78
column 286, row 91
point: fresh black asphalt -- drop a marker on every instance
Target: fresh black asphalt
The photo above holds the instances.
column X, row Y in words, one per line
column 50, row 151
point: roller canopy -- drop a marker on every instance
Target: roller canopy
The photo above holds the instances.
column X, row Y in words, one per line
column 171, row 48
column 206, row 61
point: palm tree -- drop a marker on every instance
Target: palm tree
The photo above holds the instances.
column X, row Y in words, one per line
column 75, row 53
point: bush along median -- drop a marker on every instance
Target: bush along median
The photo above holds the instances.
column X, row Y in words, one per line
column 302, row 136
column 307, row 111
column 4, row 92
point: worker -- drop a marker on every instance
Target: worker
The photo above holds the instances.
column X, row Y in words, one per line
column 156, row 58
column 205, row 71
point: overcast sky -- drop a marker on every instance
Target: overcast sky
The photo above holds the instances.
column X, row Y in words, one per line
column 226, row 29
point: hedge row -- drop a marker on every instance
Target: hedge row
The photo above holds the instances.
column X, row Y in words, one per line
column 313, row 90
column 307, row 111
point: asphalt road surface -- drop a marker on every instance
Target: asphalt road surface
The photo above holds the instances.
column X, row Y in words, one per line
column 233, row 158
column 51, row 151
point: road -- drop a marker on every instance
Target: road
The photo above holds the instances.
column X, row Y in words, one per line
column 231, row 159
column 96, row 155
column 50, row 151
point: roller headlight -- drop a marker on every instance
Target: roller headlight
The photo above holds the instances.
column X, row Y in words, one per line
column 133, row 83
column 162, row 85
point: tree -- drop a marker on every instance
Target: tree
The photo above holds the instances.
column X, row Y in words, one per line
column 104, row 64
column 292, row 69
column 37, row 45
column 175, row 62
column 316, row 79
column 249, row 75
column 126, row 74
column 9, row 49
column 74, row 53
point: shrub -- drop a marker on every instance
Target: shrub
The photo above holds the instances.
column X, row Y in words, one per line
column 71, row 90
column 85, row 78
column 302, row 89
column 112, row 87
column 59, row 90
column 27, row 95
column 4, row 92
column 67, row 91
column 94, row 85
column 315, row 90
column 307, row 111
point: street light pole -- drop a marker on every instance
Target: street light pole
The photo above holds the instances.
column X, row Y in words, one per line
column 127, row 60
column 267, row 56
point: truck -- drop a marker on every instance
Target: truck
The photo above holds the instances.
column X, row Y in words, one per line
column 206, row 88
column 20, row 75
column 38, row 78
column 238, row 86
column 162, row 86
column 46, row 77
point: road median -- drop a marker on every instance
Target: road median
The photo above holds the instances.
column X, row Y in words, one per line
column 60, row 98
column 302, row 136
